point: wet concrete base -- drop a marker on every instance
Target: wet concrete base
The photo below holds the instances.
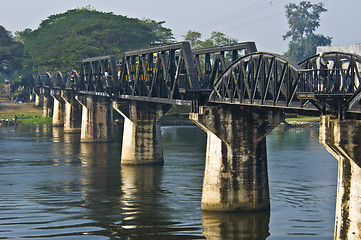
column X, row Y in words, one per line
column 342, row 139
column 236, row 175
column 142, row 143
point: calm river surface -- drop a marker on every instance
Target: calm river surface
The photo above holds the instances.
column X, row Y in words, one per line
column 53, row 187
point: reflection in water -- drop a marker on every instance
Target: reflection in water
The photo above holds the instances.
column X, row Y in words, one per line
column 53, row 186
column 234, row 226
column 140, row 205
column 100, row 186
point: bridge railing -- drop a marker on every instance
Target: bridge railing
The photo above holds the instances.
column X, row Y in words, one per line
column 330, row 81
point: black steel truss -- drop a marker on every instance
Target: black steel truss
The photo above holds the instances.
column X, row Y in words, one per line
column 159, row 72
column 99, row 73
column 258, row 78
column 233, row 74
column 211, row 62
column 267, row 79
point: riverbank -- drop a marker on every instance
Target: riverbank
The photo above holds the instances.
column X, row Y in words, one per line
column 26, row 113
column 301, row 122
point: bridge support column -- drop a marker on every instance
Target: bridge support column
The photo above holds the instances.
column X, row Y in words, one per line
column 73, row 112
column 38, row 97
column 236, row 176
column 342, row 140
column 97, row 119
column 142, row 143
column 31, row 93
column 59, row 109
column 48, row 102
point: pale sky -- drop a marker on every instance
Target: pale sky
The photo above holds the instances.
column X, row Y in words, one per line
column 261, row 21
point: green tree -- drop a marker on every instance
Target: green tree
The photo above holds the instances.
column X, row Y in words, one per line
column 163, row 35
column 62, row 40
column 192, row 37
column 11, row 52
column 216, row 39
column 303, row 20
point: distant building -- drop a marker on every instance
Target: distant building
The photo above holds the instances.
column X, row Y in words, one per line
column 355, row 49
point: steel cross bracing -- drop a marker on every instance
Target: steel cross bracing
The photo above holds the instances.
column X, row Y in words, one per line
column 232, row 74
column 337, row 89
column 160, row 74
column 211, row 62
column 269, row 80
column 93, row 73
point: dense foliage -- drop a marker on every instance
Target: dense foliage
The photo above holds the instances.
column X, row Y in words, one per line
column 303, row 20
column 64, row 39
column 11, row 52
column 216, row 39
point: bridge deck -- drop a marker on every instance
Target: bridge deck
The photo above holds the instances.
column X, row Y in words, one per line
column 176, row 74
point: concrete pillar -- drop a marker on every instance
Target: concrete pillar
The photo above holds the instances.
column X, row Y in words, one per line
column 236, row 176
column 342, row 139
column 97, row 119
column 73, row 112
column 59, row 108
column 31, row 93
column 142, row 143
column 48, row 102
column 38, row 97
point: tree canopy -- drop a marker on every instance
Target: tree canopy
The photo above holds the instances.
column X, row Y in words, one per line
column 64, row 39
column 11, row 52
column 303, row 20
column 216, row 39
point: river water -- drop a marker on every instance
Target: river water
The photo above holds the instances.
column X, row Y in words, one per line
column 54, row 187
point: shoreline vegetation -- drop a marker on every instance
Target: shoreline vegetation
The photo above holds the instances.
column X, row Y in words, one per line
column 29, row 114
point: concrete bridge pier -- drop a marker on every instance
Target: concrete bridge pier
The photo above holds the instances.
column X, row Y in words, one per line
column 97, row 119
column 48, row 102
column 31, row 93
column 142, row 143
column 59, row 108
column 72, row 112
column 236, row 176
column 38, row 97
column 342, row 139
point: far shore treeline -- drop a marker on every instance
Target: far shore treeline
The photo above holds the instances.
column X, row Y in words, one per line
column 62, row 40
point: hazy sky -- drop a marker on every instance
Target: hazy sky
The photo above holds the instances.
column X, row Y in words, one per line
column 261, row 21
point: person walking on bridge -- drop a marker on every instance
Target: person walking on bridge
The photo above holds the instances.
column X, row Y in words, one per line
column 321, row 64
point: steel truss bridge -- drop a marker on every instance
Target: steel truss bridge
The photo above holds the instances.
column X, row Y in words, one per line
column 233, row 74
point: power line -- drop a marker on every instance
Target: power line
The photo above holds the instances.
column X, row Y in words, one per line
column 275, row 15
column 233, row 15
column 244, row 13
column 252, row 10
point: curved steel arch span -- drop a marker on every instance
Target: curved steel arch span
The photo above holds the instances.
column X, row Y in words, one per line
column 44, row 80
column 267, row 79
column 338, row 59
column 260, row 78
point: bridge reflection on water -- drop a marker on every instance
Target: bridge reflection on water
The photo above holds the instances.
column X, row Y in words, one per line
column 55, row 186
